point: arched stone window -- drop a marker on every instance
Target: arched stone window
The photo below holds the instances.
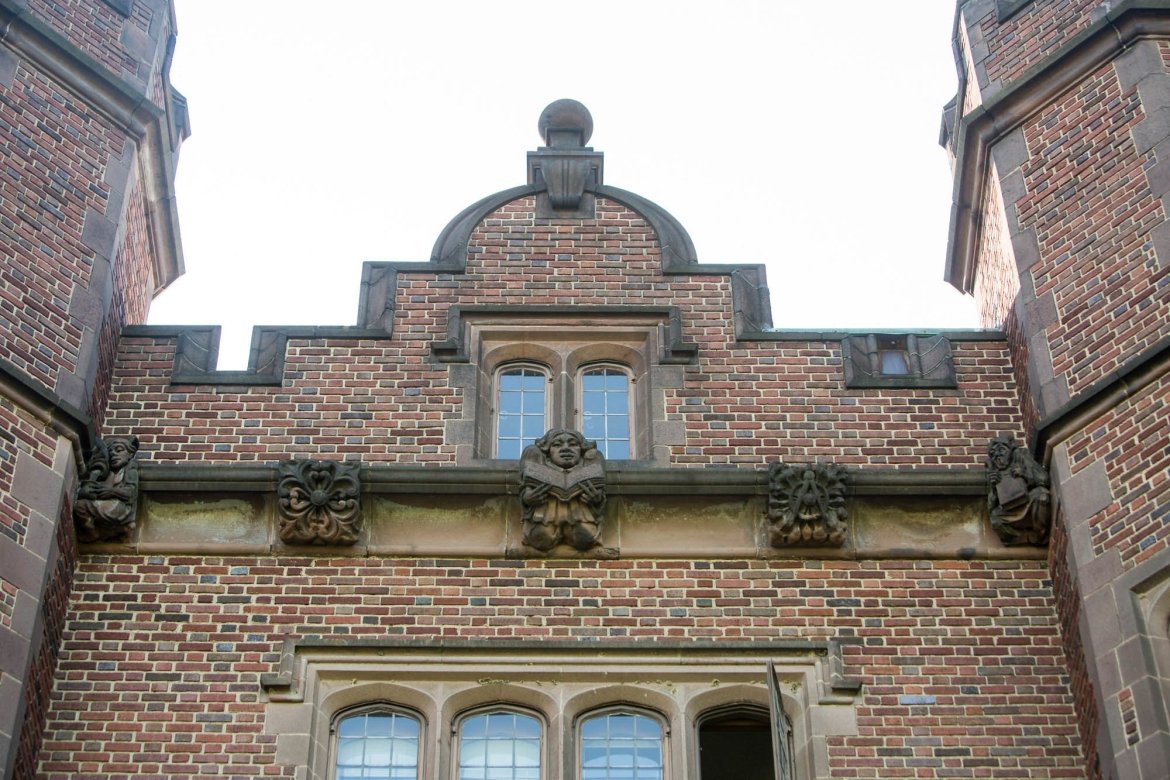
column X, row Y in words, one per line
column 378, row 742
column 605, row 409
column 737, row 742
column 499, row 744
column 521, row 407
column 621, row 744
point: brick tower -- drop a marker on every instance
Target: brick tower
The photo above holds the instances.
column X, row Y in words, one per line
column 89, row 132
column 1061, row 228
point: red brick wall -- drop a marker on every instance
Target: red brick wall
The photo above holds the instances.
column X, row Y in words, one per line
column 1068, row 606
column 386, row 401
column 161, row 662
column 1131, row 440
column 1028, row 37
column 95, row 28
column 133, row 286
column 54, row 612
column 1089, row 202
column 56, row 151
column 19, row 433
column 997, row 284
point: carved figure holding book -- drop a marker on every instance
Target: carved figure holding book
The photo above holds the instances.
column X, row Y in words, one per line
column 562, row 491
column 1017, row 493
column 107, row 498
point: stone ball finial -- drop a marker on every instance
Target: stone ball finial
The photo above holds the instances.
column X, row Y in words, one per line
column 565, row 122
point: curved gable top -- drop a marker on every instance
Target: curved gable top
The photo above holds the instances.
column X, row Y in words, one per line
column 566, row 177
column 450, row 250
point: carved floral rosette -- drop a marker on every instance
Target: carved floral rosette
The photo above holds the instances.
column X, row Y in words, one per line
column 806, row 505
column 318, row 502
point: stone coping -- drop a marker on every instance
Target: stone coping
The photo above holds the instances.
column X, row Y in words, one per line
column 496, row 477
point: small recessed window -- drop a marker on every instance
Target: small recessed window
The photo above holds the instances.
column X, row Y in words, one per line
column 378, row 745
column 898, row 360
column 499, row 746
column 605, row 410
column 520, row 410
column 622, row 746
column 892, row 358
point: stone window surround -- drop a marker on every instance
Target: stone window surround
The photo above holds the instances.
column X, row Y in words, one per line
column 448, row 742
column 929, row 361
column 641, row 340
column 374, row 708
column 560, row 683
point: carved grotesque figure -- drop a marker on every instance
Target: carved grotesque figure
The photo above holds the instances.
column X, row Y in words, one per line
column 1017, row 493
column 562, row 491
column 107, row 498
column 806, row 505
column 319, row 502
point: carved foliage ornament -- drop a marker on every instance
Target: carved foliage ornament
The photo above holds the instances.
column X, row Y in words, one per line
column 107, row 498
column 806, row 505
column 562, row 491
column 1017, row 493
column 318, row 501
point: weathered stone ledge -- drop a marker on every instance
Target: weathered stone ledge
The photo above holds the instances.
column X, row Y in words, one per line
column 654, row 513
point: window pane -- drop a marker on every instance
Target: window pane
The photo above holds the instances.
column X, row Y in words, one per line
column 594, row 428
column 510, row 401
column 519, row 410
column 894, row 362
column 533, row 428
column 619, row 427
column 381, row 745
column 618, row 450
column 507, row 747
column 593, row 403
column 621, row 746
column 605, row 415
column 509, row 426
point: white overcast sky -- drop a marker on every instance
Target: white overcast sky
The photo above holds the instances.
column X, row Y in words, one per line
column 803, row 135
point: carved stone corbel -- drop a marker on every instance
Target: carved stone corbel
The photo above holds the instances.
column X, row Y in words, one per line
column 107, row 498
column 1018, row 500
column 319, row 502
column 562, row 491
column 806, row 505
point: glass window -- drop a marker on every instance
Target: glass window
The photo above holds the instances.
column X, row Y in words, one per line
column 892, row 356
column 621, row 746
column 605, row 410
column 499, row 746
column 519, row 410
column 378, row 746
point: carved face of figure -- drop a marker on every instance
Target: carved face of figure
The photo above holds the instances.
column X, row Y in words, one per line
column 120, row 454
column 564, row 449
column 999, row 452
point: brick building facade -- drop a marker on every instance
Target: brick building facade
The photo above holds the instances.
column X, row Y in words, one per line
column 795, row 559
